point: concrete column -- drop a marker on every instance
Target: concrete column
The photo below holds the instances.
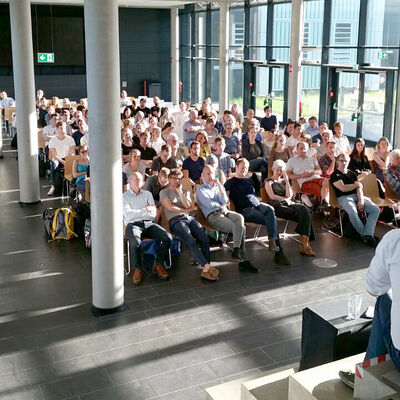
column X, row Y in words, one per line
column 296, row 42
column 223, row 56
column 396, row 139
column 103, row 81
column 24, row 87
column 175, row 55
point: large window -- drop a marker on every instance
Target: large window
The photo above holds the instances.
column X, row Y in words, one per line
column 281, row 31
column 258, row 32
column 313, row 29
column 236, row 32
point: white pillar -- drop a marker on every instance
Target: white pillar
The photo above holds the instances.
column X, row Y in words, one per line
column 223, row 57
column 396, row 139
column 175, row 55
column 103, row 82
column 24, row 87
column 296, row 42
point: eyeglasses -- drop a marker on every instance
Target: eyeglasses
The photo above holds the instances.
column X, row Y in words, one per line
column 83, row 151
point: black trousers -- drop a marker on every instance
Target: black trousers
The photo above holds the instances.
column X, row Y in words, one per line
column 298, row 213
column 135, row 232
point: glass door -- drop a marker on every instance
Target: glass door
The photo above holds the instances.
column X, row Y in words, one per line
column 373, row 109
column 347, row 101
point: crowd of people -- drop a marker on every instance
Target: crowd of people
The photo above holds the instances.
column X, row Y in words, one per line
column 230, row 168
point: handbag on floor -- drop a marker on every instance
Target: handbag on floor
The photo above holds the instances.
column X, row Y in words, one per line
column 59, row 223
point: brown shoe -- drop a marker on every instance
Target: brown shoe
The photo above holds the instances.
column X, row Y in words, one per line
column 160, row 271
column 305, row 247
column 214, row 271
column 137, row 276
column 209, row 276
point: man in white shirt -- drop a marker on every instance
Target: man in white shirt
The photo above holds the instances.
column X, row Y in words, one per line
column 190, row 128
column 60, row 146
column 125, row 102
column 180, row 118
column 49, row 131
column 295, row 138
column 139, row 211
column 308, row 174
column 6, row 101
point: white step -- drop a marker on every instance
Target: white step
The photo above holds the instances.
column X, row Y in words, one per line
column 323, row 382
column 230, row 390
column 269, row 387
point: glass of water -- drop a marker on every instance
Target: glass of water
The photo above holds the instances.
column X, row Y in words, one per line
column 354, row 306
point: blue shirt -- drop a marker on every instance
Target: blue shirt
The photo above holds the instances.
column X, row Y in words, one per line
column 8, row 102
column 194, row 167
column 311, row 131
column 210, row 199
column 135, row 206
column 231, row 144
column 242, row 193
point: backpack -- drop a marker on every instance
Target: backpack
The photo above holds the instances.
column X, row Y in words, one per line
column 87, row 232
column 59, row 223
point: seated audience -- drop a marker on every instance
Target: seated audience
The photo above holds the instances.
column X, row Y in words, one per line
column 256, row 125
column 295, row 138
column 193, row 165
column 211, row 132
column 180, row 117
column 142, row 108
column 317, row 139
column 312, row 129
column 147, row 153
column 342, row 143
column 289, row 128
column 280, row 193
column 165, row 117
column 204, row 113
column 190, row 128
column 252, row 150
column 393, row 171
column 237, row 114
column 327, row 136
column 49, row 131
column 224, row 160
column 349, row 192
column 139, row 212
column 212, row 161
column 154, row 184
column 201, row 137
column 80, row 133
column 212, row 200
column 127, row 113
column 60, row 146
column 327, row 162
column 177, row 205
column 240, row 190
column 359, row 162
column 380, row 159
column 279, row 150
column 80, row 167
column 177, row 153
column 308, row 174
column 232, row 142
column 166, row 131
column 134, row 164
column 249, row 117
column 156, row 109
column 163, row 161
column 269, row 122
column 156, row 142
column 124, row 100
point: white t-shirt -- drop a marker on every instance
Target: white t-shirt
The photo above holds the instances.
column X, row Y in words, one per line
column 85, row 140
column 49, row 131
column 62, row 146
column 180, row 119
column 342, row 144
column 384, row 274
column 292, row 142
column 299, row 165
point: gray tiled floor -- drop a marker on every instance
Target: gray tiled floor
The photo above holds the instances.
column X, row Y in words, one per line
column 176, row 338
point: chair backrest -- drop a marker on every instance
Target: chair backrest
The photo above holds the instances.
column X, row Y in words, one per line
column 8, row 112
column 370, row 186
column 87, row 190
column 264, row 196
column 187, row 184
column 164, row 221
column 69, row 160
column 390, row 193
column 333, row 201
column 41, row 141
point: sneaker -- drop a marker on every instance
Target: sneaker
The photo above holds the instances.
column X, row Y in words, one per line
column 273, row 246
column 370, row 240
column 347, row 377
column 281, row 258
column 51, row 191
column 306, row 200
column 236, row 253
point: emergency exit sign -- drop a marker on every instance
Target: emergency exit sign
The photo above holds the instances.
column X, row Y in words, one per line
column 383, row 55
column 45, row 58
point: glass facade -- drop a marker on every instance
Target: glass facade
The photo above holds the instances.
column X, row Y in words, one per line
column 351, row 50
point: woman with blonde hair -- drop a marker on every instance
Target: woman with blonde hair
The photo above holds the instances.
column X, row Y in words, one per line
column 280, row 194
column 205, row 151
column 380, row 159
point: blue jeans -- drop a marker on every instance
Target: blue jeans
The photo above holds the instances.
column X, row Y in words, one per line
column 81, row 184
column 189, row 229
column 53, row 166
column 263, row 214
column 136, row 232
column 380, row 341
column 349, row 204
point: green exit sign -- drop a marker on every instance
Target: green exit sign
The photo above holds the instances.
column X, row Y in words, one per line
column 45, row 57
column 383, row 55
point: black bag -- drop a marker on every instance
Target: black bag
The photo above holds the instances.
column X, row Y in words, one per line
column 14, row 143
column 87, row 230
column 42, row 164
column 58, row 181
column 82, row 211
column 47, row 218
